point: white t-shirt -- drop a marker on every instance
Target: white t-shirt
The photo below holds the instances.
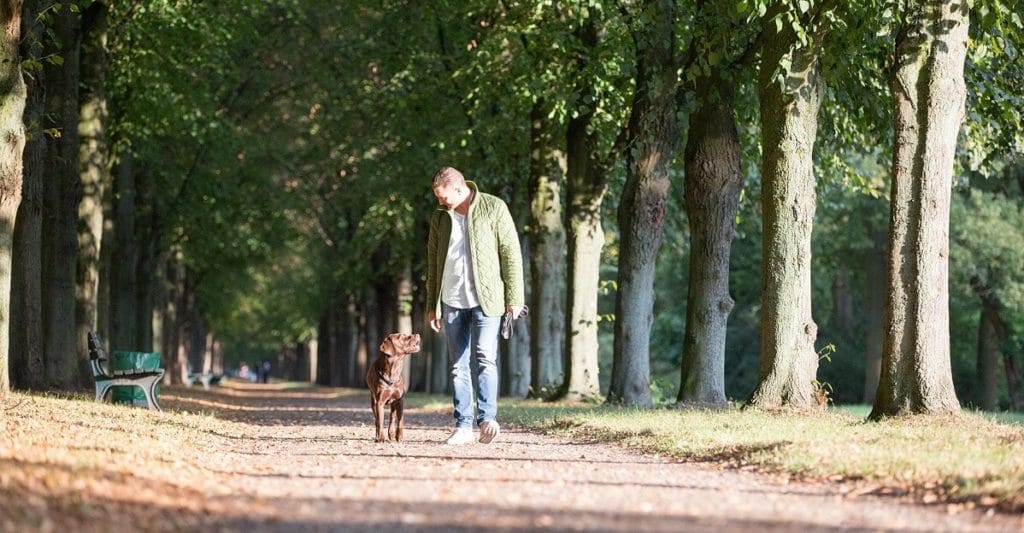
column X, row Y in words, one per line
column 458, row 285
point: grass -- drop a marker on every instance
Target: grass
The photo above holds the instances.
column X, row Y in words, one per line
column 969, row 459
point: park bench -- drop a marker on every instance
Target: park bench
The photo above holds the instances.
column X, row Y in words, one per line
column 206, row 379
column 145, row 379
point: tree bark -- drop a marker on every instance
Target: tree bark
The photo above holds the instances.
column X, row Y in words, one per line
column 421, row 363
column 324, row 346
column 26, row 318
column 842, row 302
column 653, row 138
column 516, row 364
column 1013, row 382
column 928, row 92
column 92, row 162
column 125, row 263
column 175, row 314
column 349, row 347
column 403, row 300
column 547, row 254
column 789, row 362
column 586, row 189
column 62, row 194
column 586, row 184
column 874, row 305
column 147, row 246
column 988, row 357
column 713, row 185
column 12, row 132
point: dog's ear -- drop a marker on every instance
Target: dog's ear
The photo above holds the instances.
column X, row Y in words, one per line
column 388, row 346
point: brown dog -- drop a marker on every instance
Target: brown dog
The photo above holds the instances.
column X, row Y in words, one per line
column 384, row 378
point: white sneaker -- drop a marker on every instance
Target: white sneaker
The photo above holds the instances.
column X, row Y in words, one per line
column 488, row 430
column 460, row 436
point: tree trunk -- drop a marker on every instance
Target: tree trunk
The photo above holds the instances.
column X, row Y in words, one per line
column 403, row 310
column 440, row 371
column 421, row 363
column 516, row 367
column 789, row 120
column 196, row 328
column 1013, row 382
column 713, row 185
column 349, row 348
column 324, row 346
column 842, row 302
column 12, row 108
column 218, row 357
column 60, row 231
column 874, row 304
column 653, row 138
column 123, row 278
column 547, row 254
column 174, row 316
column 312, row 351
column 207, row 365
column 928, row 93
column 586, row 184
column 585, row 192
column 26, row 322
column 988, row 357
column 148, row 240
column 92, row 163
column 106, row 266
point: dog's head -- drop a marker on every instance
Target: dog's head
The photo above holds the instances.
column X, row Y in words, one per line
column 400, row 344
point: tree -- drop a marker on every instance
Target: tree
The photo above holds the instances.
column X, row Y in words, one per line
column 92, row 158
column 62, row 193
column 26, row 326
column 652, row 137
column 713, row 184
column 987, row 263
column 791, row 88
column 12, row 131
column 588, row 165
column 928, row 92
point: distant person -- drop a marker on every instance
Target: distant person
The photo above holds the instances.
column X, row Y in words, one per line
column 244, row 372
column 264, row 371
column 474, row 276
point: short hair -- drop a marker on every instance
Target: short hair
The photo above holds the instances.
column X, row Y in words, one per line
column 448, row 176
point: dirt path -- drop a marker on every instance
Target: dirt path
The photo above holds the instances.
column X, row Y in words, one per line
column 305, row 460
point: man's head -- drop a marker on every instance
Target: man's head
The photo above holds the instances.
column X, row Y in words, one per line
column 450, row 187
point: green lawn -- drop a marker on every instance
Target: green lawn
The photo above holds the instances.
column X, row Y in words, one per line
column 972, row 458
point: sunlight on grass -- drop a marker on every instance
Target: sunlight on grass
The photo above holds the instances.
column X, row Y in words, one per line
column 964, row 457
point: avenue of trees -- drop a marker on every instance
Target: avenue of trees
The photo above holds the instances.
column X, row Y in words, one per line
column 778, row 202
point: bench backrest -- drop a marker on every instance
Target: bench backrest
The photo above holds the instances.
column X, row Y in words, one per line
column 96, row 355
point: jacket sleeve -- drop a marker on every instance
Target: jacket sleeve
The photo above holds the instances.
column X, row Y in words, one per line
column 433, row 276
column 511, row 258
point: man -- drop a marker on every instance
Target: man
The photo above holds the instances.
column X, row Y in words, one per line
column 474, row 276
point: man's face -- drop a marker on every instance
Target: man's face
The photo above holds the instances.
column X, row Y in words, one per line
column 449, row 195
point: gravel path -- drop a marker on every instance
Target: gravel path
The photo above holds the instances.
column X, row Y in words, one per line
column 305, row 460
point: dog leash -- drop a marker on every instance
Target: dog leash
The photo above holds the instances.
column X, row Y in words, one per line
column 507, row 322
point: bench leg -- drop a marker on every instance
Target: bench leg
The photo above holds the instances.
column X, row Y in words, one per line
column 149, row 389
column 101, row 391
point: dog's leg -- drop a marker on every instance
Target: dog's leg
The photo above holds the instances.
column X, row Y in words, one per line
column 378, row 419
column 392, row 423
column 399, row 414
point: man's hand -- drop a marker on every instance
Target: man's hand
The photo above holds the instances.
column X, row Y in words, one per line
column 516, row 310
column 435, row 323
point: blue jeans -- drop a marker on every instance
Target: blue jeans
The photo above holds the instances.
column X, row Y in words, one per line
column 471, row 334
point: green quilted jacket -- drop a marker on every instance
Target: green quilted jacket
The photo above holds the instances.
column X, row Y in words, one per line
column 493, row 246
